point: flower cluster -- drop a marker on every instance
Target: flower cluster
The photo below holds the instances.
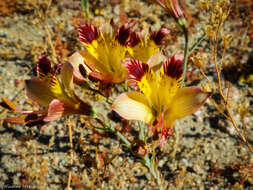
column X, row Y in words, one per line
column 107, row 46
column 114, row 54
column 160, row 102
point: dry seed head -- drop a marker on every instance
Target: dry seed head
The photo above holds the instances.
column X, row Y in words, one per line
column 198, row 60
column 219, row 12
column 227, row 38
column 204, row 5
column 206, row 87
column 210, row 31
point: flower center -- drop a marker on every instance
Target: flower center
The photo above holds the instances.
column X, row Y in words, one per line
column 159, row 89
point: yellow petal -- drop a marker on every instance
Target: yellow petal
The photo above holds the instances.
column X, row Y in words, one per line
column 92, row 63
column 38, row 91
column 186, row 101
column 143, row 50
column 67, row 78
column 133, row 106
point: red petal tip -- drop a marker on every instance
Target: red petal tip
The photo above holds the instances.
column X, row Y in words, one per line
column 136, row 69
column 43, row 65
column 88, row 33
column 134, row 39
column 174, row 67
column 124, row 33
column 158, row 36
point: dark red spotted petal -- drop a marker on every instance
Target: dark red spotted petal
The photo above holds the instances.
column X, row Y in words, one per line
column 136, row 69
column 123, row 34
column 158, row 36
column 174, row 67
column 88, row 33
column 43, row 66
column 134, row 39
column 82, row 71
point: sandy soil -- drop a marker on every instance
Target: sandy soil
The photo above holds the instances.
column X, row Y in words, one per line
column 207, row 152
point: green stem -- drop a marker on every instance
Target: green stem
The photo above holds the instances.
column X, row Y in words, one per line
column 186, row 54
column 141, row 132
column 112, row 130
column 120, row 136
column 197, row 43
column 149, row 163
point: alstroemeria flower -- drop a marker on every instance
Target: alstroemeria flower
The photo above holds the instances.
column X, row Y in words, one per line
column 105, row 48
column 173, row 8
column 54, row 92
column 142, row 48
column 161, row 101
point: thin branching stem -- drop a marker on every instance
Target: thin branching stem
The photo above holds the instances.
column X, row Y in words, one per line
column 227, row 108
column 149, row 163
column 195, row 45
column 71, row 154
column 186, row 54
column 120, row 136
column 107, row 127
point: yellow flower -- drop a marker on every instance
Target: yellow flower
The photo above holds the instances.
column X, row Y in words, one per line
column 161, row 100
column 143, row 48
column 52, row 89
column 105, row 48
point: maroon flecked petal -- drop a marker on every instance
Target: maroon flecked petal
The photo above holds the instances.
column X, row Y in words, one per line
column 88, row 33
column 134, row 39
column 43, row 66
column 124, row 33
column 174, row 67
column 136, row 69
column 158, row 36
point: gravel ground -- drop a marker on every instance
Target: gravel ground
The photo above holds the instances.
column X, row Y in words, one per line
column 206, row 152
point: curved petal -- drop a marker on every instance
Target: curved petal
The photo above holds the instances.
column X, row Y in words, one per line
column 186, row 101
column 155, row 61
column 92, row 63
column 55, row 110
column 120, row 76
column 38, row 91
column 105, row 77
column 67, row 77
column 76, row 60
column 133, row 106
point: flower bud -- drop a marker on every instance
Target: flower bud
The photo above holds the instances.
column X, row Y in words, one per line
column 139, row 148
column 173, row 8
